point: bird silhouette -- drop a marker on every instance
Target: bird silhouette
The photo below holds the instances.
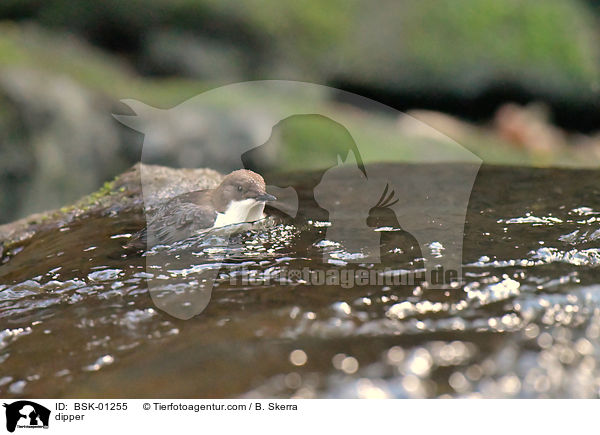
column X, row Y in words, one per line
column 398, row 248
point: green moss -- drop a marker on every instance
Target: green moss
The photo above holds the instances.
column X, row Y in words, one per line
column 94, row 198
column 88, row 201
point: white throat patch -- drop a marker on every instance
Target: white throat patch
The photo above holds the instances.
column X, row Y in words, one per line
column 247, row 210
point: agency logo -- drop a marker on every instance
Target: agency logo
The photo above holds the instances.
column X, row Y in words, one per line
column 25, row 414
column 383, row 195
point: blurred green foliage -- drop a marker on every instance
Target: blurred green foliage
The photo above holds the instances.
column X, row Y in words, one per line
column 461, row 45
column 465, row 45
column 457, row 47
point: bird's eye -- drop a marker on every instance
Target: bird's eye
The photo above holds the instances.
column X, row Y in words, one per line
column 239, row 188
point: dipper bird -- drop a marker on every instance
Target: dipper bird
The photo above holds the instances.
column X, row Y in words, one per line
column 240, row 197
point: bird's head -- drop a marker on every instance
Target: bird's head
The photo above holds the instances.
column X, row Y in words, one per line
column 241, row 185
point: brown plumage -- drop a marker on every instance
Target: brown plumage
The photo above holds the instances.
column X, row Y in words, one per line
column 182, row 216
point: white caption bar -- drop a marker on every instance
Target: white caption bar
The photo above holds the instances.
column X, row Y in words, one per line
column 297, row 416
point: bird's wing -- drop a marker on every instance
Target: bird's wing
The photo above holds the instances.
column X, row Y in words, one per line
column 178, row 220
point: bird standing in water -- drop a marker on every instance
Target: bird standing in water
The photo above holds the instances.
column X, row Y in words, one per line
column 241, row 197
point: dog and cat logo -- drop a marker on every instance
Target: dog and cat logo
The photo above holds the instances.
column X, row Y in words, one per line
column 25, row 414
column 381, row 193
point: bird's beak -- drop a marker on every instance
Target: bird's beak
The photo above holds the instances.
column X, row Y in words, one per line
column 265, row 197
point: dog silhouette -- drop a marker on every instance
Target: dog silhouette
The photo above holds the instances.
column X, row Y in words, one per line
column 13, row 414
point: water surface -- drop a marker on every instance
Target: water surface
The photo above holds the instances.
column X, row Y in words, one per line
column 76, row 318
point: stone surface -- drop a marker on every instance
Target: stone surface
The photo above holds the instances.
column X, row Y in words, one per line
column 123, row 194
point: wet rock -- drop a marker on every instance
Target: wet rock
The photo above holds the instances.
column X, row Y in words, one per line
column 123, row 194
column 161, row 182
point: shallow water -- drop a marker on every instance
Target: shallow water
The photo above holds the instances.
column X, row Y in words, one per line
column 77, row 320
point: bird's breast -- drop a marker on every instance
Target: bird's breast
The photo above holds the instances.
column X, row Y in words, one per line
column 247, row 210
